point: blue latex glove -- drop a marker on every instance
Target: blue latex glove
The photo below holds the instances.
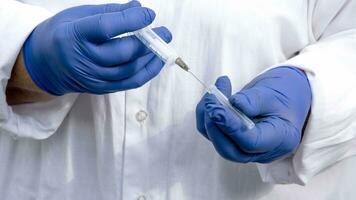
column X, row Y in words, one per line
column 278, row 101
column 74, row 50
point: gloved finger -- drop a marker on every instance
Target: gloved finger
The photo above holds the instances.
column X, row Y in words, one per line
column 122, row 50
column 224, row 145
column 124, row 71
column 223, row 83
column 253, row 102
column 217, row 112
column 102, row 27
column 113, row 7
column 88, row 10
column 221, row 114
column 266, row 136
column 199, row 117
column 145, row 74
column 151, row 69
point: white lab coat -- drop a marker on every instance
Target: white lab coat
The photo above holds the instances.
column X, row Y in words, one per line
column 142, row 143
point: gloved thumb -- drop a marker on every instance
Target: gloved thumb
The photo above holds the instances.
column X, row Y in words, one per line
column 252, row 102
column 102, row 27
column 223, row 83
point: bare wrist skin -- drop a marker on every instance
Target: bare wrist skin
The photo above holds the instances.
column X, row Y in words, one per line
column 20, row 87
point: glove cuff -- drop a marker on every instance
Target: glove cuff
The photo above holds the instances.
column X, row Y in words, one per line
column 32, row 61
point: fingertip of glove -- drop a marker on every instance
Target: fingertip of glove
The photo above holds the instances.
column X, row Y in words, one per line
column 164, row 33
column 167, row 34
column 215, row 111
column 236, row 99
column 149, row 15
column 217, row 115
column 223, row 78
column 210, row 99
column 134, row 3
column 223, row 81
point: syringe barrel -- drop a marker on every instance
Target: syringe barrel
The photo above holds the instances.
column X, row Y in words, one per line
column 249, row 124
column 156, row 45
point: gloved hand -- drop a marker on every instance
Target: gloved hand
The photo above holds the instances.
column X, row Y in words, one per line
column 278, row 101
column 73, row 51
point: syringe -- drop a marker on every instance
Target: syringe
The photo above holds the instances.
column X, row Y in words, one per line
column 167, row 54
column 159, row 47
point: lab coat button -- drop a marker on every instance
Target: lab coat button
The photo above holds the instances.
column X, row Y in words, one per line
column 141, row 116
column 142, row 197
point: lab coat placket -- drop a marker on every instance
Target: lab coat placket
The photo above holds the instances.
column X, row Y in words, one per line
column 134, row 154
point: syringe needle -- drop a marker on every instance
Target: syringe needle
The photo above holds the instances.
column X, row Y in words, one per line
column 201, row 82
column 179, row 61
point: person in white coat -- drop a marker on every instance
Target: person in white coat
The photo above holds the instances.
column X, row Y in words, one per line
column 67, row 134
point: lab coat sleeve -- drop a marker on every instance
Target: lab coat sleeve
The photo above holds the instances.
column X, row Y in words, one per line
column 38, row 120
column 330, row 64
